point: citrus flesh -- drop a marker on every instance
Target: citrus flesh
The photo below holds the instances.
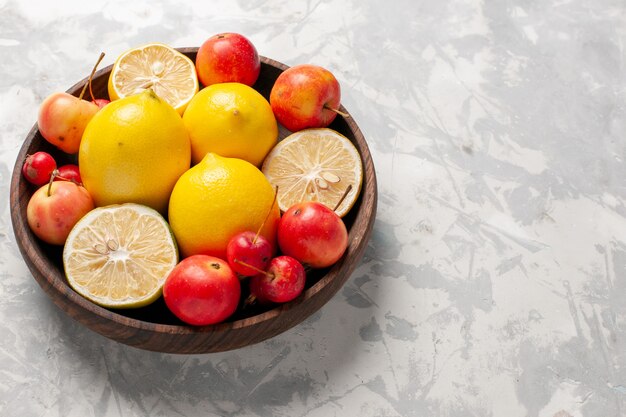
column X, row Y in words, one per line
column 218, row 198
column 315, row 165
column 232, row 120
column 134, row 150
column 119, row 256
column 169, row 73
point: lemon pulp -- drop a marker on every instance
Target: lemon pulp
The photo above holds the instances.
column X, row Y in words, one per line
column 315, row 165
column 119, row 256
column 169, row 73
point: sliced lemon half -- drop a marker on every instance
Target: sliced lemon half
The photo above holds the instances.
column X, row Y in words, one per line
column 119, row 256
column 315, row 165
column 169, row 73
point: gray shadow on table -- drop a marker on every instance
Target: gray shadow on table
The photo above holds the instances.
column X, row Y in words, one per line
column 293, row 366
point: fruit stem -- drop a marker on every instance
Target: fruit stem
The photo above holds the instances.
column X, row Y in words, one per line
column 259, row 270
column 339, row 112
column 250, row 299
column 52, row 176
column 88, row 83
column 343, row 197
column 258, row 232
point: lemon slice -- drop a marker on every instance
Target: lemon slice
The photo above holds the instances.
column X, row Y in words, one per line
column 315, row 165
column 169, row 73
column 119, row 256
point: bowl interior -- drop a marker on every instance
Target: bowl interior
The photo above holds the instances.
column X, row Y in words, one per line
column 45, row 262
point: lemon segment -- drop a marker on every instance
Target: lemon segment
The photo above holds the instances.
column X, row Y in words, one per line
column 119, row 256
column 315, row 165
column 169, row 73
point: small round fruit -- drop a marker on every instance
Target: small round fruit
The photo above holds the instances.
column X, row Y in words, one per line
column 232, row 120
column 228, row 57
column 68, row 172
column 55, row 208
column 313, row 234
column 305, row 96
column 248, row 248
column 283, row 281
column 38, row 168
column 63, row 118
column 202, row 290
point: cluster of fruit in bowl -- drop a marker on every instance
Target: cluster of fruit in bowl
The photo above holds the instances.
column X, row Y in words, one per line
column 182, row 188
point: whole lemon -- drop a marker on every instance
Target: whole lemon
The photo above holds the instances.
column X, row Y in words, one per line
column 134, row 150
column 218, row 198
column 232, row 120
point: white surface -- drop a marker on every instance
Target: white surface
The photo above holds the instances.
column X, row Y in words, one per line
column 494, row 281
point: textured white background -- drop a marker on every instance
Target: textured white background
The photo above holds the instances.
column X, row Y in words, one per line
column 494, row 283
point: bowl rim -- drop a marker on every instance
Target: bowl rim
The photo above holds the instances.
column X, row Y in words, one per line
column 50, row 278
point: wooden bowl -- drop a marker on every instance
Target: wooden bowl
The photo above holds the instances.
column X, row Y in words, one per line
column 154, row 327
